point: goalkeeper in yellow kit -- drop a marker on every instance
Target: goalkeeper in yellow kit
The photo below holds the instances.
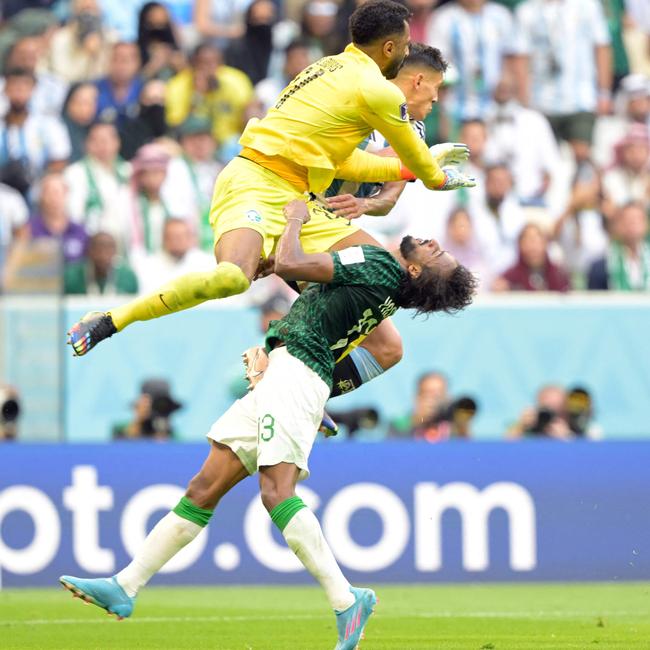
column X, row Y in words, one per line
column 309, row 138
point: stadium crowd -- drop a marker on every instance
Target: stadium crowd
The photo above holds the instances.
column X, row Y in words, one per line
column 117, row 118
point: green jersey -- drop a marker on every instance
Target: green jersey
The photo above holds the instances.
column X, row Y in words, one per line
column 329, row 320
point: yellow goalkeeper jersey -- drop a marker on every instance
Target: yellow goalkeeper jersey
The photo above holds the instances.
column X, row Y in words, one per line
column 325, row 112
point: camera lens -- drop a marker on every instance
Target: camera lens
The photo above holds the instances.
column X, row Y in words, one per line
column 10, row 410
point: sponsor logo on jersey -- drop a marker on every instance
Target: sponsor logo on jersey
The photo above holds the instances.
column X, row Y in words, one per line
column 404, row 112
column 254, row 216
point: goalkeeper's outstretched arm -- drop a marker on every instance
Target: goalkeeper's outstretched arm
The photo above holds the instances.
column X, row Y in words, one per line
column 385, row 110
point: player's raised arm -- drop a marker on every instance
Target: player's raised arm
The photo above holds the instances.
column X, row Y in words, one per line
column 379, row 205
column 386, row 111
column 291, row 262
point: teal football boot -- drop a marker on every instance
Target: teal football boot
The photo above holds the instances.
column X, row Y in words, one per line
column 351, row 621
column 103, row 592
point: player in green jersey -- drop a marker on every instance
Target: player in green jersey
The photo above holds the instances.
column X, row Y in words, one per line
column 272, row 428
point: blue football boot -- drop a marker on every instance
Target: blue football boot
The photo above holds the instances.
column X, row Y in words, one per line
column 103, row 592
column 351, row 621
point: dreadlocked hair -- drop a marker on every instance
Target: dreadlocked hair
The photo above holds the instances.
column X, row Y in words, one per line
column 431, row 292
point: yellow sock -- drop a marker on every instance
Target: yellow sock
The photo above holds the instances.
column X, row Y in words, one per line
column 184, row 292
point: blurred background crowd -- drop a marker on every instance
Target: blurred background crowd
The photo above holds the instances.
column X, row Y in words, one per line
column 116, row 118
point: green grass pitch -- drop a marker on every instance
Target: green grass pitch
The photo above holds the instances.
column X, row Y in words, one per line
column 442, row 617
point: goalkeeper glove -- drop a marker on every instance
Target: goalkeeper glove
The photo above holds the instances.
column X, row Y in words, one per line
column 454, row 180
column 449, row 153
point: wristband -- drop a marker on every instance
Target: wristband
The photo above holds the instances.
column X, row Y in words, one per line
column 406, row 174
column 442, row 182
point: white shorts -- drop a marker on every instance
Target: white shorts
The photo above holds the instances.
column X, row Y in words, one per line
column 277, row 422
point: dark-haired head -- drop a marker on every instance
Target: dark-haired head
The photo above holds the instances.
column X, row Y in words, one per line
column 376, row 20
column 380, row 28
column 425, row 56
column 297, row 57
column 420, row 78
column 433, row 280
column 19, row 86
column 154, row 27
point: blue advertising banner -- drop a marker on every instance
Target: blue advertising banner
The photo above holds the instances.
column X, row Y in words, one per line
column 408, row 512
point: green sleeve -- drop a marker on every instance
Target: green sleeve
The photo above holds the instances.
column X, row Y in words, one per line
column 365, row 265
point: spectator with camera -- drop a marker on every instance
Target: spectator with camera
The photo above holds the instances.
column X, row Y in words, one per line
column 9, row 413
column 454, row 423
column 546, row 419
column 559, row 415
column 210, row 90
column 152, row 411
column 102, row 272
column 79, row 51
column 626, row 265
column 30, row 144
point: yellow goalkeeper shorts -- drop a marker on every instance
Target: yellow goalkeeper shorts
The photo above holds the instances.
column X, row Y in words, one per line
column 247, row 195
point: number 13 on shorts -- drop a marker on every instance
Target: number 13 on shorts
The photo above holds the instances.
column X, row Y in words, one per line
column 265, row 427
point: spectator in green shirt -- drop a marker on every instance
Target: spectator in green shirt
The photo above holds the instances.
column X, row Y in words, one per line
column 102, row 272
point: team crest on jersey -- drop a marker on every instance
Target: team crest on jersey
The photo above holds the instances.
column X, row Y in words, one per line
column 254, row 216
column 404, row 112
column 345, row 385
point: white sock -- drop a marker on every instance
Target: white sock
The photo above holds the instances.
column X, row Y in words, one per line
column 305, row 538
column 166, row 538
